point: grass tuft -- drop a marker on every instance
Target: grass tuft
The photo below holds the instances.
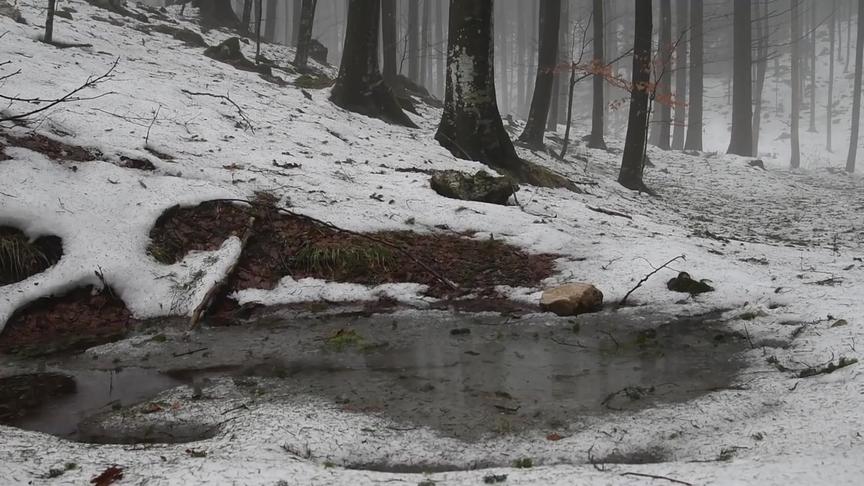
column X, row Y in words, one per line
column 19, row 258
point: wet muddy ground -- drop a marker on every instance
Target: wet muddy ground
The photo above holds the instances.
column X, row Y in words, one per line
column 464, row 376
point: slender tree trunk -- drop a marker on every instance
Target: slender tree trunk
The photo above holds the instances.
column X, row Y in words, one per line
column 307, row 19
column 856, row 98
column 520, row 59
column 848, row 36
column 217, row 13
column 795, row 161
column 504, row 65
column 423, row 55
column 763, row 33
column 694, row 121
column 390, row 45
column 681, row 17
column 565, row 56
column 247, row 16
column 49, row 22
column 812, row 46
column 297, row 18
column 741, row 142
column 414, row 40
column 663, row 120
column 270, row 21
column 550, row 11
column 830, row 104
column 598, row 108
column 633, row 161
column 440, row 44
column 258, row 19
column 360, row 86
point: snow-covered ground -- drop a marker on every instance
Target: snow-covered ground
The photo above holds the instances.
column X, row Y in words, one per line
column 768, row 241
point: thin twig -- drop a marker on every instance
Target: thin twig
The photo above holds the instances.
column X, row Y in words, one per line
column 646, row 277
column 67, row 98
column 652, row 476
column 226, row 98
column 147, row 137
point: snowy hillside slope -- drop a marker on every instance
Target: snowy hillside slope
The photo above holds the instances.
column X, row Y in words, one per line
column 768, row 241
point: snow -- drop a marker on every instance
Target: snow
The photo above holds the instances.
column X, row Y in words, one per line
column 807, row 225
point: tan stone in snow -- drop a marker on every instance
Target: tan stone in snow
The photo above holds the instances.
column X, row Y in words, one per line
column 572, row 299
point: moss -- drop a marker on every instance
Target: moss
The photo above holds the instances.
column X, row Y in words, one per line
column 342, row 339
column 313, row 82
column 524, row 463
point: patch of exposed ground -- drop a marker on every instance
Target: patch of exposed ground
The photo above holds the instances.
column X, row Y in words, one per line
column 63, row 152
column 284, row 244
column 21, row 258
column 79, row 319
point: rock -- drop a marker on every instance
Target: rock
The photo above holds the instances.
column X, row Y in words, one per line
column 572, row 299
column 685, row 284
column 757, row 164
column 481, row 187
column 229, row 52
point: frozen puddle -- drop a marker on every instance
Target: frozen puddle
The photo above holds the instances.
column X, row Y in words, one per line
column 463, row 376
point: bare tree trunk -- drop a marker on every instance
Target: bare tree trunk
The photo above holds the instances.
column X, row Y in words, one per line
column 812, row 46
column 832, row 27
column 663, row 120
column 298, row 16
column 550, row 11
column 390, row 46
column 414, row 40
column 504, row 65
column 633, row 161
column 856, row 98
column 682, row 20
column 49, row 22
column 471, row 126
column 598, row 65
column 694, row 121
column 360, row 86
column 565, row 56
column 270, row 21
column 307, row 19
column 440, row 42
column 247, row 16
column 217, row 13
column 258, row 19
column 795, row 161
column 848, row 37
column 741, row 142
column 423, row 55
column 762, row 33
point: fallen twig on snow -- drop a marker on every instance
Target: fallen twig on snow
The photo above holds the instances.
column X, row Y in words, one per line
column 652, row 476
column 226, row 98
column 609, row 212
column 646, row 277
column 211, row 294
column 67, row 98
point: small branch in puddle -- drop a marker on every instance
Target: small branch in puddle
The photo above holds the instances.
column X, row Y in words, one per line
column 646, row 277
column 187, row 353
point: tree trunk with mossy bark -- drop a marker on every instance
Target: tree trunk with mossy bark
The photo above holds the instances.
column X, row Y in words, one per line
column 471, row 126
column 360, row 86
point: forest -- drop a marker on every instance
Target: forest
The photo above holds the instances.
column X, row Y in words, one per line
column 431, row 242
